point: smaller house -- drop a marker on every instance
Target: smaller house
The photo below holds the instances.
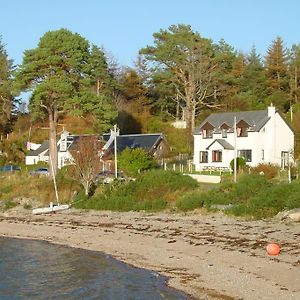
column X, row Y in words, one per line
column 261, row 136
column 155, row 144
column 66, row 142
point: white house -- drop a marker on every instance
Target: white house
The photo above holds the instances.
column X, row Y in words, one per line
column 261, row 137
column 155, row 144
column 42, row 153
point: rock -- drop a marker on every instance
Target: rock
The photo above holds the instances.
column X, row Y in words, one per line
column 291, row 215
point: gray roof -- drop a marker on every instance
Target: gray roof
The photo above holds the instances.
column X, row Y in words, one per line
column 256, row 119
column 145, row 141
column 223, row 143
column 44, row 146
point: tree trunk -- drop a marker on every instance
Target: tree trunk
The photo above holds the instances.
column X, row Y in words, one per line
column 53, row 156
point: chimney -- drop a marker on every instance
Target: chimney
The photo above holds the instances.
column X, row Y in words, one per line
column 271, row 111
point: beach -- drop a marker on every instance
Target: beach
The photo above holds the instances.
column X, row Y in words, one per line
column 207, row 256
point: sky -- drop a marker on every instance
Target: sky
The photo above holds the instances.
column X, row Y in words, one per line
column 123, row 27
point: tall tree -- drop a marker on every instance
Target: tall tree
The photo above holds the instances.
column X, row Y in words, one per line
column 224, row 84
column 189, row 59
column 6, row 98
column 57, row 73
column 276, row 68
column 294, row 69
column 253, row 84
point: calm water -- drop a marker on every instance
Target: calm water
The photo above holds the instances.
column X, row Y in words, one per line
column 38, row 270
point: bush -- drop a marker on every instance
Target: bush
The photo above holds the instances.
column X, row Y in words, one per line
column 190, row 201
column 153, row 190
column 269, row 170
column 240, row 163
column 133, row 161
column 270, row 201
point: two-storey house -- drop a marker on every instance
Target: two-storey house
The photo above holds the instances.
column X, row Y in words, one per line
column 260, row 137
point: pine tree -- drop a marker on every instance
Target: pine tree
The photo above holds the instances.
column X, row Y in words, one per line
column 294, row 69
column 276, row 65
column 6, row 99
column 253, row 84
column 276, row 68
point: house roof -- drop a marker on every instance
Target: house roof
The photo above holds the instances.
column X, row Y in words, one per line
column 44, row 146
column 223, row 143
column 256, row 119
column 146, row 141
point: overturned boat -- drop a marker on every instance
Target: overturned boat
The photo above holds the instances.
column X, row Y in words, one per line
column 50, row 209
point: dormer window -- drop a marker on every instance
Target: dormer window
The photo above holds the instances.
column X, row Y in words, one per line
column 242, row 128
column 207, row 131
column 224, row 129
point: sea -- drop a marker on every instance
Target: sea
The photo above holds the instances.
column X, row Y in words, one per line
column 31, row 269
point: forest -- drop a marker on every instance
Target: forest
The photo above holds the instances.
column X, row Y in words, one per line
column 78, row 86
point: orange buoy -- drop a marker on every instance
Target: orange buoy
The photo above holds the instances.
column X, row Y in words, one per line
column 273, row 249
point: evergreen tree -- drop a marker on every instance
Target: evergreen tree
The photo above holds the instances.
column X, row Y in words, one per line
column 58, row 74
column 189, row 59
column 253, row 84
column 294, row 69
column 7, row 100
column 230, row 65
column 276, row 68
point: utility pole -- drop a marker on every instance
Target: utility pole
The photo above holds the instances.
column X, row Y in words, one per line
column 235, row 152
column 116, row 152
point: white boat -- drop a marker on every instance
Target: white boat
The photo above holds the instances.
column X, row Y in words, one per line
column 52, row 208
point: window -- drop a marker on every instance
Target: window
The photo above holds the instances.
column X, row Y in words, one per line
column 203, row 156
column 242, row 131
column 284, row 159
column 262, row 154
column 224, row 133
column 207, row 133
column 217, row 156
column 242, row 128
column 246, row 154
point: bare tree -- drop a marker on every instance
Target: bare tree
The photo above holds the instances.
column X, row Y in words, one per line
column 87, row 160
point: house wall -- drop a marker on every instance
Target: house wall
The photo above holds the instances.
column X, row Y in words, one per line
column 283, row 140
column 31, row 160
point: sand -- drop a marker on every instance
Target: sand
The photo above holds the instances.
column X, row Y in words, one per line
column 206, row 256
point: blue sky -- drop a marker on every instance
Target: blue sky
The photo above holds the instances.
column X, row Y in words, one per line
column 123, row 27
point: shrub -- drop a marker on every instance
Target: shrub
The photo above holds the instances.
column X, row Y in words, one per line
column 269, row 170
column 152, row 190
column 190, row 201
column 8, row 204
column 270, row 201
column 240, row 163
column 133, row 161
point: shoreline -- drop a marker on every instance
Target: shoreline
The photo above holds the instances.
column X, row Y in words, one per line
column 204, row 256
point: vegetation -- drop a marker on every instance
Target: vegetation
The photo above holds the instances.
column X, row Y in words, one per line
column 183, row 75
column 253, row 196
column 153, row 190
column 134, row 161
column 39, row 189
column 60, row 73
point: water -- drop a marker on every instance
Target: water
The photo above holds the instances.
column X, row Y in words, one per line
column 38, row 270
